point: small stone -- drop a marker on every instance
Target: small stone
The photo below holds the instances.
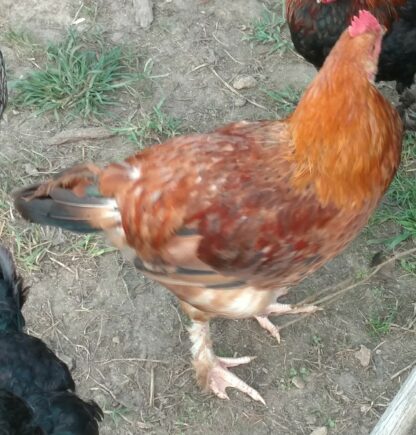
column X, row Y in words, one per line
column 363, row 355
column 116, row 340
column 365, row 408
column 240, row 102
column 310, row 420
column 30, row 169
column 143, row 12
column 298, row 382
column 244, row 82
column 320, row 431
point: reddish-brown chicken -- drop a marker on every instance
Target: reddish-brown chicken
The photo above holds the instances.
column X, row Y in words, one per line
column 229, row 220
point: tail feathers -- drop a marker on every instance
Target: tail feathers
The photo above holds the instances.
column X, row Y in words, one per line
column 13, row 294
column 62, row 208
column 66, row 413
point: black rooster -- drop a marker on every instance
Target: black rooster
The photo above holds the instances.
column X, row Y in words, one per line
column 16, row 417
column 315, row 26
column 36, row 387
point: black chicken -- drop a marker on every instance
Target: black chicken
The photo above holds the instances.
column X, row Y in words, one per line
column 16, row 417
column 31, row 372
column 315, row 26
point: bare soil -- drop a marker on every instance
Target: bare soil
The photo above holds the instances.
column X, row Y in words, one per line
column 123, row 335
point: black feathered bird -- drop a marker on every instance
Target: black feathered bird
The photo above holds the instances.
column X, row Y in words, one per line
column 315, row 26
column 33, row 373
column 16, row 416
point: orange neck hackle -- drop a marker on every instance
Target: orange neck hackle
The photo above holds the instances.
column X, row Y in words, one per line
column 346, row 135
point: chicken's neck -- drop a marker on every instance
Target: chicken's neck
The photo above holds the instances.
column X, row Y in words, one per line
column 346, row 139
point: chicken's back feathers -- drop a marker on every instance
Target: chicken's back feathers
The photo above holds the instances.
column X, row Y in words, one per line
column 254, row 205
column 199, row 208
column 12, row 294
column 26, row 362
column 33, row 373
column 29, row 366
column 398, row 56
column 16, row 416
column 65, row 413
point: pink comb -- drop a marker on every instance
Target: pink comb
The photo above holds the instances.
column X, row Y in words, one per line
column 365, row 22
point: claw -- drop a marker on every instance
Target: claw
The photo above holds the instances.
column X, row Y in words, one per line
column 266, row 324
column 234, row 362
column 220, row 378
column 212, row 371
column 281, row 309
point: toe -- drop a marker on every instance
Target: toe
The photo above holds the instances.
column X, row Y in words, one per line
column 222, row 378
column 234, row 362
column 271, row 328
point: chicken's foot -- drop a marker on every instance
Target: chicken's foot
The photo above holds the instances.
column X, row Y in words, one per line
column 279, row 309
column 212, row 371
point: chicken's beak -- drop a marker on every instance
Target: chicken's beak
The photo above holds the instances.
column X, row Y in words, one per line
column 384, row 29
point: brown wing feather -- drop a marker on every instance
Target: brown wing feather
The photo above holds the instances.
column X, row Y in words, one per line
column 234, row 197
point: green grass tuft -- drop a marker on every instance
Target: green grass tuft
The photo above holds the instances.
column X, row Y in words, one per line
column 268, row 30
column 20, row 39
column 286, row 99
column 77, row 78
column 400, row 203
column 150, row 127
column 381, row 324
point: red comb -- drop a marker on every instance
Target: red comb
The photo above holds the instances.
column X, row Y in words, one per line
column 365, row 22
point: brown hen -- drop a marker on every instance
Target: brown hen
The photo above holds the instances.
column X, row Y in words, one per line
column 229, row 220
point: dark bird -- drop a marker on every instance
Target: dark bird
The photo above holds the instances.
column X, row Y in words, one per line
column 31, row 372
column 316, row 25
column 16, row 416
column 230, row 220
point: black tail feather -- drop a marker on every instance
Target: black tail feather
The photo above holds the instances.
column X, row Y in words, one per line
column 64, row 209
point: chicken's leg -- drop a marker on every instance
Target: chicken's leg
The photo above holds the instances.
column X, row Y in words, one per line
column 211, row 371
column 279, row 309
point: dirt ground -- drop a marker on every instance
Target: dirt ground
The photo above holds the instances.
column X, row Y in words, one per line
column 124, row 336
